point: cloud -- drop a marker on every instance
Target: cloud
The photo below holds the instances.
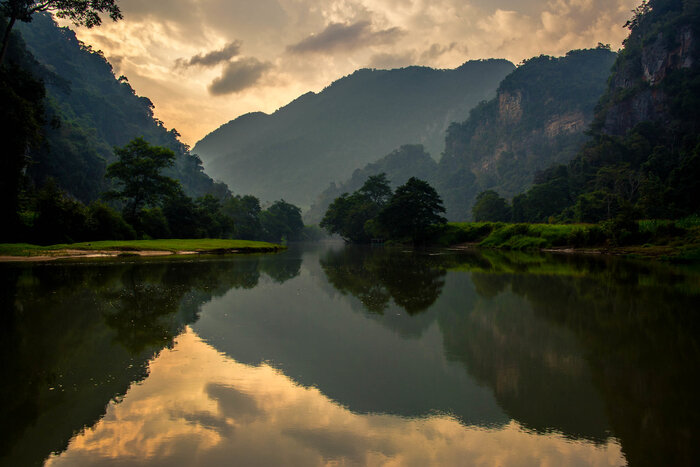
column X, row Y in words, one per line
column 212, row 58
column 239, row 75
column 345, row 37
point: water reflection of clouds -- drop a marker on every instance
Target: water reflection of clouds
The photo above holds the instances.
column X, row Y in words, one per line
column 199, row 407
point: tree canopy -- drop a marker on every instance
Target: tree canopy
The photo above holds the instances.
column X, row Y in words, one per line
column 413, row 211
column 137, row 173
column 81, row 12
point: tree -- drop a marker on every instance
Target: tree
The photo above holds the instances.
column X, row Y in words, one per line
column 137, row 173
column 244, row 211
column 81, row 12
column 490, row 206
column 281, row 221
column 350, row 216
column 413, row 211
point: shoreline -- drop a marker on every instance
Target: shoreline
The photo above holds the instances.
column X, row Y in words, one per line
column 68, row 254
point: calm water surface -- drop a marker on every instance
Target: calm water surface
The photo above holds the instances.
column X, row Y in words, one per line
column 333, row 355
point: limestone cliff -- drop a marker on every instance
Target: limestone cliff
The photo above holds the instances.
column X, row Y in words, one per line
column 538, row 118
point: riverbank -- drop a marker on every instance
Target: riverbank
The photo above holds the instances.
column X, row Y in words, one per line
column 11, row 252
column 676, row 241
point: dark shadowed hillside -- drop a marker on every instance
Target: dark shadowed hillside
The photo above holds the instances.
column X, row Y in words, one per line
column 643, row 157
column 96, row 111
column 320, row 138
column 538, row 118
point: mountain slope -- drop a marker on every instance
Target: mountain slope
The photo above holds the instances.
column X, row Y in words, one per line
column 97, row 112
column 538, row 118
column 643, row 157
column 319, row 138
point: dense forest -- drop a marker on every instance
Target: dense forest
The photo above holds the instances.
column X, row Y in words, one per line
column 85, row 159
column 643, row 156
column 297, row 151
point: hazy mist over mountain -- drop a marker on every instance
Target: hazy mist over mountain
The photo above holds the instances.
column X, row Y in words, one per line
column 299, row 150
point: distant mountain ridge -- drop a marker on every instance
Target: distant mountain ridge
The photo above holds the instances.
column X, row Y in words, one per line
column 538, row 117
column 316, row 139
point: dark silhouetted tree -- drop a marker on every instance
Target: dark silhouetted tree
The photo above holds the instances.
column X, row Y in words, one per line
column 414, row 211
column 81, row 12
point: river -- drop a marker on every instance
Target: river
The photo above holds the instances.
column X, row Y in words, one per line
column 334, row 355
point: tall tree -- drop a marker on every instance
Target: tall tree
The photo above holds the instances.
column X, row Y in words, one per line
column 81, row 12
column 137, row 173
column 413, row 211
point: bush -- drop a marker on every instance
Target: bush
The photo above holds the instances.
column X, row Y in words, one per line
column 104, row 223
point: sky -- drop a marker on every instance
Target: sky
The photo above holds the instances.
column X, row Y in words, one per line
column 206, row 62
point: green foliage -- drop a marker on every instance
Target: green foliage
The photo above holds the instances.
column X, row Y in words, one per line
column 281, row 222
column 96, row 112
column 104, row 223
column 352, row 216
column 413, row 212
column 643, row 158
column 138, row 176
column 398, row 166
column 244, row 212
column 490, row 206
column 21, row 119
column 537, row 119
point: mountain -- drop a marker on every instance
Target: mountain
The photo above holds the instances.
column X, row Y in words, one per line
column 91, row 112
column 300, row 149
column 538, row 116
column 642, row 159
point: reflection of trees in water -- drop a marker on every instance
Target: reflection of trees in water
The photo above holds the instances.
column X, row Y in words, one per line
column 577, row 344
column 413, row 280
column 77, row 336
column 589, row 329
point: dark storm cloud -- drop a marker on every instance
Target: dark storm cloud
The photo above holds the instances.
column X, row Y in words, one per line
column 239, row 75
column 340, row 36
column 212, row 58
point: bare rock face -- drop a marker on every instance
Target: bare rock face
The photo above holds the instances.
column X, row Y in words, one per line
column 573, row 122
column 648, row 102
column 510, row 107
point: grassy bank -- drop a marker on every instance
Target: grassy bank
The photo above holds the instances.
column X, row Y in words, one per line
column 172, row 246
column 678, row 240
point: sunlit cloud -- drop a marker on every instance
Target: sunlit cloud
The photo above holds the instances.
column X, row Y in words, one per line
column 213, row 58
column 239, row 75
column 345, row 37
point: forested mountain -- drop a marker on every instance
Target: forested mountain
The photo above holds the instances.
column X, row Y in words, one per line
column 643, row 157
column 538, row 118
column 320, row 138
column 90, row 112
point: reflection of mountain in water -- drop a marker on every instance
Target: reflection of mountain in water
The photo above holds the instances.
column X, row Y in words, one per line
column 581, row 345
column 74, row 337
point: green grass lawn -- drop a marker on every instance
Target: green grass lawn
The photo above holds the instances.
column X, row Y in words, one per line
column 171, row 245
